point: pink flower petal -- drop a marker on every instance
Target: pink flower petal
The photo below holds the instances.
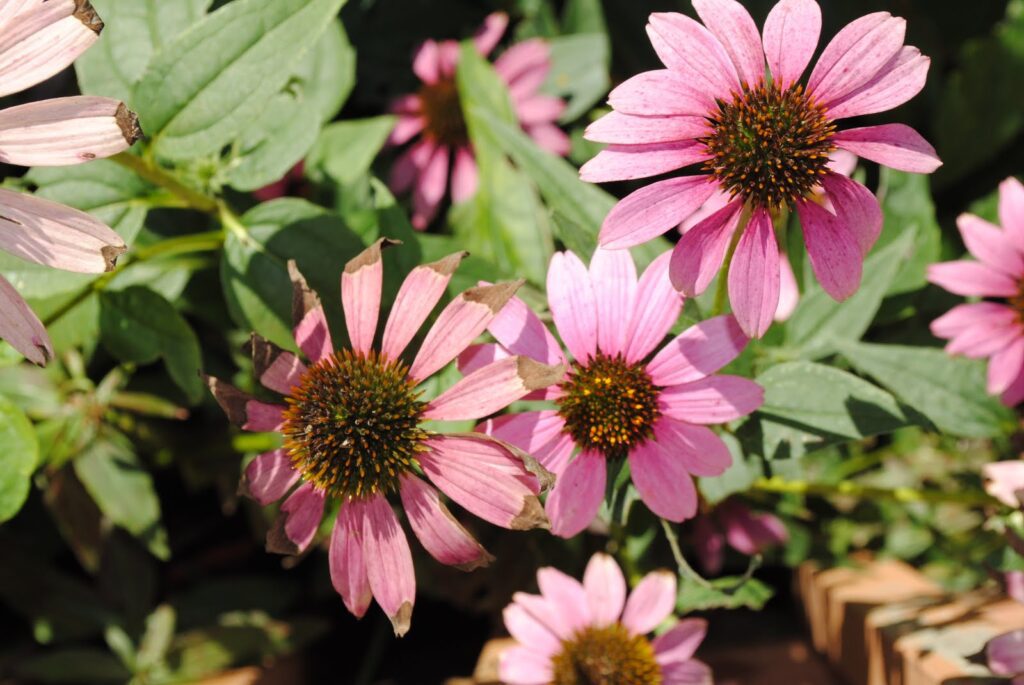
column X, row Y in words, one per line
column 419, row 293
column 539, row 109
column 892, row 145
column 313, row 336
column 520, row 331
column 425, row 62
column 991, row 245
column 736, row 31
column 605, row 588
column 573, row 306
column 263, row 417
column 719, row 198
column 361, row 283
column 523, row 666
column 715, row 399
column 1014, row 394
column 835, row 252
column 388, row 562
column 685, row 46
column 709, row 545
column 663, row 483
column 662, row 92
column 699, row 351
column 440, row 533
column 691, row 672
column 613, row 279
column 700, row 252
column 574, row 501
column 346, row 561
column 701, row 451
column 856, row 207
column 488, row 35
column 406, row 128
column 409, row 165
column 655, row 310
column 430, row 187
column 856, row 55
column 268, row 477
column 1006, row 653
column 754, row 276
column 546, row 613
column 1004, row 480
column 566, row 596
column 527, row 629
column 297, row 522
column 492, row 388
column 652, row 601
column 529, row 431
column 549, row 137
column 985, row 340
column 465, row 317
column 279, row 370
column 448, row 58
column 750, row 533
column 791, row 34
column 965, row 316
column 465, row 175
column 1005, row 365
column 789, row 291
column 624, row 162
column 628, row 129
column 524, row 67
column 681, row 642
column 21, row 328
column 479, row 355
column 1011, row 210
column 652, row 210
column 895, row 83
column 972, row 279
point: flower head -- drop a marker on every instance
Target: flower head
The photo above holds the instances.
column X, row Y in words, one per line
column 994, row 327
column 621, row 396
column 37, row 40
column 589, row 633
column 352, row 422
column 764, row 141
column 734, row 523
column 434, row 113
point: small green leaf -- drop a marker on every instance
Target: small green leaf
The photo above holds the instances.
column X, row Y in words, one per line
column 274, row 143
column 740, row 475
column 723, row 593
column 579, row 72
column 345, row 149
column 19, row 455
column 907, row 206
column 157, row 638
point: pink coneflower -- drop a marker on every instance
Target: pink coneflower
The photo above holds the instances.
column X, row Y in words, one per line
column 734, row 523
column 1004, row 480
column 993, row 328
column 39, row 38
column 764, row 141
column 590, row 634
column 1005, row 655
column 352, row 421
column 435, row 114
column 619, row 399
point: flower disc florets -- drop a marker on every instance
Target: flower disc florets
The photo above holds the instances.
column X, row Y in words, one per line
column 442, row 112
column 609, row 405
column 606, row 656
column 769, row 146
column 352, row 425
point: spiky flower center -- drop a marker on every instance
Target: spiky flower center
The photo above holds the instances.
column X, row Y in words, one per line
column 442, row 112
column 769, row 146
column 1017, row 301
column 609, row 405
column 606, row 656
column 352, row 425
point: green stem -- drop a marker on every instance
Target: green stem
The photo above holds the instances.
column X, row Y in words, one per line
column 154, row 174
column 685, row 570
column 852, row 489
column 718, row 307
column 209, row 241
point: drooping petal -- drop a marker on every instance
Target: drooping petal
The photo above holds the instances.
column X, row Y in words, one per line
column 626, row 162
column 628, row 129
column 856, row 55
column 1005, row 365
column 419, row 293
column 985, row 340
column 655, row 310
column 613, row 278
column 566, row 596
column 663, row 482
column 361, row 283
column 346, row 560
column 1011, row 210
column 490, row 32
column 750, row 533
column 971, row 279
column 735, row 29
column 893, row 145
column 520, row 331
column 529, row 431
column 605, row 588
column 709, row 545
column 1005, row 653
column 1014, row 394
column 479, row 355
column 661, row 92
column 895, row 83
column 685, row 46
column 791, row 34
column 263, row 416
column 650, row 603
column 465, row 175
column 492, row 388
column 430, row 187
column 856, row 208
column 410, row 164
column 523, row 666
column 406, row 128
column 711, row 400
column 572, row 303
column 991, row 245
column 573, row 503
column 700, row 252
column 698, row 351
column 702, row 452
column 692, row 672
column 388, row 562
column 276, row 369
column 21, row 328
column 549, row 137
column 309, row 324
column 681, row 642
column 539, row 109
column 297, row 523
column 440, row 533
column 754, row 278
column 835, row 253
column 652, row 210
column 527, row 629
column 268, row 477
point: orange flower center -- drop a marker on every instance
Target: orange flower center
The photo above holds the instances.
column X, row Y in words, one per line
column 442, row 111
column 606, row 656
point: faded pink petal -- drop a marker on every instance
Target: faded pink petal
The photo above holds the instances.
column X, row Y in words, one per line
column 549, row 137
column 417, row 297
column 1004, row 480
column 985, row 340
column 709, row 545
column 263, row 417
column 529, row 431
column 488, row 35
column 971, row 279
column 465, row 175
column 346, row 561
column 440, row 533
column 698, row 351
column 789, row 291
column 430, row 188
column 361, row 284
column 614, row 283
column 655, row 311
column 702, row 452
column 566, row 596
column 700, row 252
column 21, row 328
column 425, row 63
column 991, row 245
column 1014, row 394
column 520, row 331
column 410, row 164
column 478, row 356
column 313, row 336
column 620, row 128
column 895, row 83
column 1006, row 653
column 680, row 643
column 965, row 316
column 406, row 128
column 491, row 389
column 1005, row 365
column 572, row 303
column 650, row 603
column 652, row 210
column 388, row 562
column 576, row 497
column 539, row 109
column 791, row 34
column 711, row 400
column 1011, row 210
column 834, row 251
column 448, row 58
column 522, row 666
column 625, row 162
column 892, row 145
column 662, row 92
column 690, row 672
column 527, row 629
column 524, row 67
column 301, row 512
column 683, row 45
column 735, row 29
column 663, row 482
column 284, row 373
column 857, row 53
column 269, row 476
column 754, row 276
column 605, row 588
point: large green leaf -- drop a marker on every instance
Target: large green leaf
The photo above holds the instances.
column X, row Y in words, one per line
column 345, row 149
column 280, row 137
column 907, row 206
column 579, row 72
column 950, row 391
column 328, row 73
column 19, row 454
column 203, row 88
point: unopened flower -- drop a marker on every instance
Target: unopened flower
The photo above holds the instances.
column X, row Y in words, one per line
column 590, row 634
column 1006, row 655
column 992, row 328
column 1004, row 480
column 435, row 114
column 733, row 523
column 765, row 141
column 622, row 396
column 353, row 425
column 39, row 38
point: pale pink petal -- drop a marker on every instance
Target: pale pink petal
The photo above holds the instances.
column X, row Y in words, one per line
column 297, row 522
column 842, row 162
column 527, row 629
column 991, row 245
column 440, row 533
column 551, row 138
column 1014, row 394
column 361, row 283
column 663, row 482
column 492, row 388
column 708, row 544
column 613, row 279
column 488, row 35
column 485, row 478
column 1004, row 480
column 835, row 252
column 574, row 501
column 1004, row 366
column 736, row 31
column 465, row 175
column 284, row 373
column 419, row 293
column 856, row 207
column 430, row 187
column 21, row 328
column 425, row 62
column 539, row 109
column 268, row 477
column 690, row 672
column 972, row 279
column 388, row 562
column 520, row 331
column 699, row 254
column 718, row 199
column 699, row 351
column 651, row 602
column 1011, row 210
column 556, row 454
column 789, row 291
column 448, row 58
column 985, row 340
column 856, row 55
column 655, row 310
column 681, row 642
column 791, row 34
column 572, row 303
column 465, row 317
column 625, row 162
column 662, row 92
column 407, row 168
column 263, row 417
column 529, row 431
column 685, row 46
column 892, row 145
column 523, row 666
column 754, row 276
column 965, row 316
column 566, row 596
column 895, row 83
column 406, row 128
column 652, row 210
column 313, row 336
column 524, row 67
column 628, row 129
column 702, row 452
column 478, row 356
column 606, row 589
column 408, row 104
column 1005, row 653
column 715, row 399
column 546, row 613
column 346, row 562
column 51, row 234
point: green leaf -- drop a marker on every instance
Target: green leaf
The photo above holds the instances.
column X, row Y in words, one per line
column 579, row 72
column 157, row 638
column 77, row 666
column 808, row 406
column 19, row 455
column 133, row 31
column 740, row 475
column 203, row 88
column 907, row 206
column 950, row 391
column 723, row 593
column 328, row 74
column 138, row 325
column 820, row 322
column 345, row 149
column 123, row 490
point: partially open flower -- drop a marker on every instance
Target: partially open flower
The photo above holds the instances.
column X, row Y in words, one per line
column 39, row 38
column 352, row 421
column 591, row 634
column 734, row 523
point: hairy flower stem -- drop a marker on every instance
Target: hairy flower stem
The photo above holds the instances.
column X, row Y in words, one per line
column 157, row 176
column 723, row 274
column 852, row 489
column 685, row 570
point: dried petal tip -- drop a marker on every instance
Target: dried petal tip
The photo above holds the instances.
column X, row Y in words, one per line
column 85, row 13
column 446, row 266
column 537, row 376
column 110, row 254
column 232, row 400
column 370, row 255
column 402, row 620
column 304, row 299
column 128, row 121
column 532, row 516
column 482, row 561
column 494, row 296
column 278, row 541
